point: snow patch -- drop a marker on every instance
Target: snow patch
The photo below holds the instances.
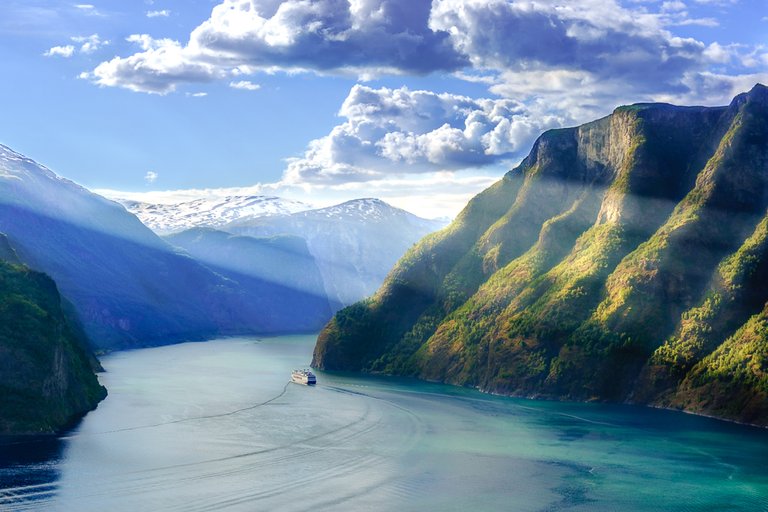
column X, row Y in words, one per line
column 212, row 213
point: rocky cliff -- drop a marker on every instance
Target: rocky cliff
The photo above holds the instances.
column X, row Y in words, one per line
column 46, row 375
column 623, row 260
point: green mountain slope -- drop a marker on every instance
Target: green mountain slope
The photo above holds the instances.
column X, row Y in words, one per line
column 624, row 260
column 46, row 375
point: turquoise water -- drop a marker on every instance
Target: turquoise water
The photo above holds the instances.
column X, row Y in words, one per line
column 217, row 426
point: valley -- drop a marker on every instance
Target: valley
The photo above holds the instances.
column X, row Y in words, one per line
column 384, row 255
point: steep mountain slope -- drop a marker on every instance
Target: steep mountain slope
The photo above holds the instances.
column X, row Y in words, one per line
column 46, row 377
column 354, row 243
column 280, row 268
column 625, row 260
column 7, row 252
column 128, row 286
column 208, row 213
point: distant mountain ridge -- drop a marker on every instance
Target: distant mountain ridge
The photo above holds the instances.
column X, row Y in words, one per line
column 623, row 260
column 172, row 218
column 262, row 264
column 129, row 287
column 355, row 243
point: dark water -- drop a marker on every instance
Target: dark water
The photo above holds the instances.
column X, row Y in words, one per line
column 216, row 426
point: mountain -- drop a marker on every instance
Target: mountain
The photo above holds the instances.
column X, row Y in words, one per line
column 128, row 286
column 354, row 243
column 262, row 265
column 46, row 375
column 623, row 260
column 209, row 213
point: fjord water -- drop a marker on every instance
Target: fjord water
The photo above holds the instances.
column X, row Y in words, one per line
column 217, row 426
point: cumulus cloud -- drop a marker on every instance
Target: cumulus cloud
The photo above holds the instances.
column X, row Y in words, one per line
column 602, row 40
column 159, row 68
column 245, row 85
column 362, row 36
column 164, row 13
column 60, row 51
column 150, row 177
column 86, row 44
column 399, row 131
column 598, row 38
column 710, row 88
column 328, row 35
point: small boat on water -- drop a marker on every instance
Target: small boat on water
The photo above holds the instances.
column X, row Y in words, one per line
column 305, row 377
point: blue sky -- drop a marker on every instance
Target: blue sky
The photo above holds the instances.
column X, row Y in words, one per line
column 420, row 103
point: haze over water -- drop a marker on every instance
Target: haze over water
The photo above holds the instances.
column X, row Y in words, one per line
column 217, row 426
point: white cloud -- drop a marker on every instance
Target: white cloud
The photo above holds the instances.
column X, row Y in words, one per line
column 60, row 51
column 359, row 37
column 245, row 85
column 89, row 44
column 426, row 152
column 400, row 132
column 164, row 13
column 673, row 6
column 702, row 22
column 600, row 39
column 88, row 9
column 197, row 94
column 150, row 177
column 158, row 69
column 715, row 89
column 718, row 53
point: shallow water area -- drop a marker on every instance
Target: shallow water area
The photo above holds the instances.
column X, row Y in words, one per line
column 218, row 426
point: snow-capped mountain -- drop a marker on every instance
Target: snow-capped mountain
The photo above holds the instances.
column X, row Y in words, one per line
column 355, row 243
column 27, row 185
column 208, row 213
column 368, row 209
column 128, row 286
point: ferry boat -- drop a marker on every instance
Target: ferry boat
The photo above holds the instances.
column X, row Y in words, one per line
column 305, row 377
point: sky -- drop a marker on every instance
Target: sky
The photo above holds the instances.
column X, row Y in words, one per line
column 422, row 104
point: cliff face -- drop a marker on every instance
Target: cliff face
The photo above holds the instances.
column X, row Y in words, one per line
column 623, row 260
column 46, row 375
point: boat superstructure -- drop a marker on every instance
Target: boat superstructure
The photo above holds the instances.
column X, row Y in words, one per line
column 304, row 376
